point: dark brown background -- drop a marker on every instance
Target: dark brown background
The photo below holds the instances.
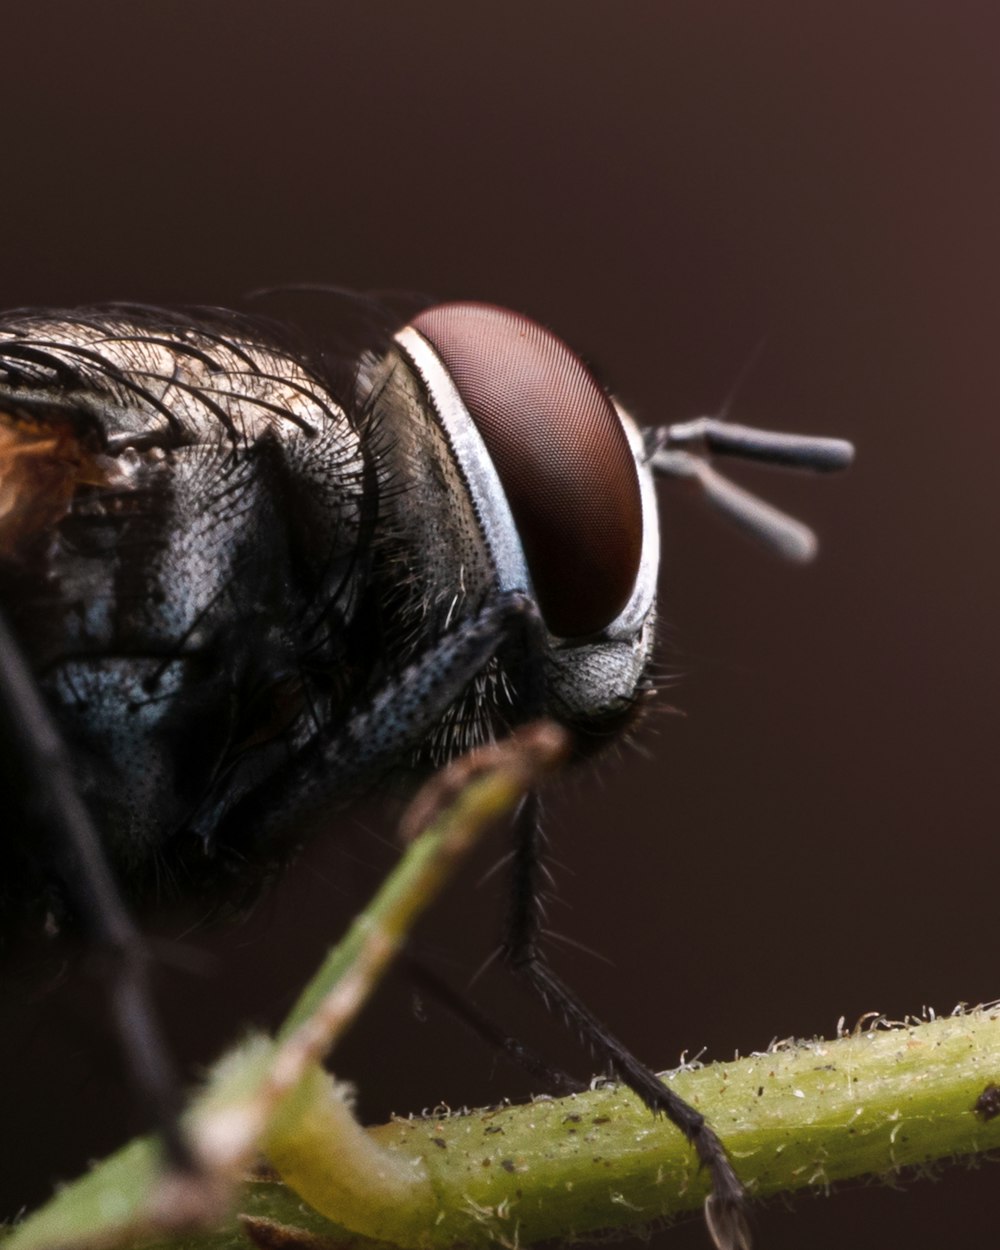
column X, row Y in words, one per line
column 664, row 183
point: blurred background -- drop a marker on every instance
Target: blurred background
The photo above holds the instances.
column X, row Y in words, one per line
column 665, row 184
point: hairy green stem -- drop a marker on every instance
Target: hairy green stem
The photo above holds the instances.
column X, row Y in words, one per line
column 801, row 1115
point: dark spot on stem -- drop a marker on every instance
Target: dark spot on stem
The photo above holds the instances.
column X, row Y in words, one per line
column 988, row 1102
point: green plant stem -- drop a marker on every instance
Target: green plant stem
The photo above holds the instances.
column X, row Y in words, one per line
column 800, row 1116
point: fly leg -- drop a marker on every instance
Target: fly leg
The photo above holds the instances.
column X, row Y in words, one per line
column 394, row 721
column 84, row 870
column 487, row 1030
column 725, row 1210
column 401, row 713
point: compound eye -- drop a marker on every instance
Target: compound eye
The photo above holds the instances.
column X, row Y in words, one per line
column 561, row 454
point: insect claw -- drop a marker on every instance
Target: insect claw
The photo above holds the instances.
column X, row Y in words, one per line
column 726, row 1220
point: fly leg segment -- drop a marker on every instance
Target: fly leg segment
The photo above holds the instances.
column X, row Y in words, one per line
column 402, row 712
column 86, row 874
column 725, row 1209
column 488, row 1031
column 397, row 718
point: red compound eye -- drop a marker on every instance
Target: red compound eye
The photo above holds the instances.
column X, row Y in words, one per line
column 560, row 452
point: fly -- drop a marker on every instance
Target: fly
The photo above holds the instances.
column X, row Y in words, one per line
column 240, row 578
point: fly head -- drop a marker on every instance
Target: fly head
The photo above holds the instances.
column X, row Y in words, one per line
column 562, row 494
column 561, row 484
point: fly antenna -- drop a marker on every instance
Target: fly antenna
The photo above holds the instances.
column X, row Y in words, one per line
column 684, row 450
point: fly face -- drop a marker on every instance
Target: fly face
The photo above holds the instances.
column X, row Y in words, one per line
column 242, row 583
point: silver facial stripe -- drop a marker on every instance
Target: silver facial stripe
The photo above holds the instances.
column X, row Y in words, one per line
column 488, row 496
column 631, row 618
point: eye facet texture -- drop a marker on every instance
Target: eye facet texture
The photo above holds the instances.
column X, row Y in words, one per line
column 561, row 453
